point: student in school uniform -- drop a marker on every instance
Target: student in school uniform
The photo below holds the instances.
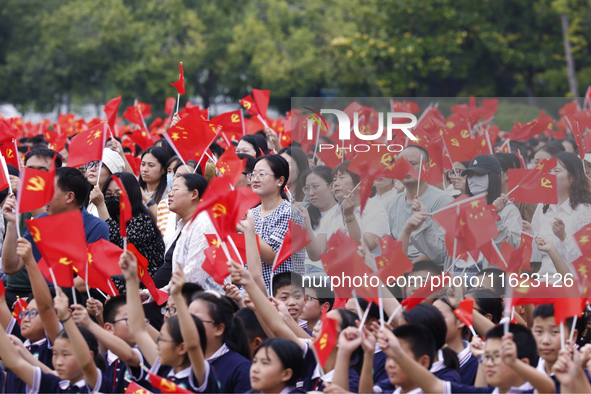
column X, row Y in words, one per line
column 276, row 368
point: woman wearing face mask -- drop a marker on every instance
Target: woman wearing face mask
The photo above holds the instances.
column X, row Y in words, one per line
column 142, row 231
column 558, row 223
column 509, row 161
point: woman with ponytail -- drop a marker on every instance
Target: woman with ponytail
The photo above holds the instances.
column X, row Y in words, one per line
column 227, row 347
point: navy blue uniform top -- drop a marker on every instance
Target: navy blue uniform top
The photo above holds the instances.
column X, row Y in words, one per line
column 49, row 383
column 186, row 378
column 233, row 372
column 379, row 367
column 312, row 381
column 451, row 387
column 468, row 365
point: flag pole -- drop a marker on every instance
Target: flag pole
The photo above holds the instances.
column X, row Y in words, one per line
column 357, row 303
column 419, row 180
column 561, row 335
column 103, row 293
column 53, row 278
column 86, row 281
column 74, row 295
column 178, row 100
column 572, row 328
column 124, row 243
column 235, row 250
column 381, row 305
column 362, row 323
column 394, row 313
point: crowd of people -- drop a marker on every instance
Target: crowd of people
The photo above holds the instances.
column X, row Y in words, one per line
column 264, row 328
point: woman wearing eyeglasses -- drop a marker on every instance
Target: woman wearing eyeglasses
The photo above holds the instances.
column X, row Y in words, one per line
column 111, row 163
column 458, row 182
column 272, row 216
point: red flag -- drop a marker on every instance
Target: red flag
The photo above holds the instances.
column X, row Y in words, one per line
column 134, row 388
column 2, row 289
column 191, row 136
column 103, row 262
column 565, row 308
column 393, row 262
column 142, row 138
column 142, row 272
column 60, row 248
column 466, row 311
column 226, row 207
column 6, row 132
column 19, row 306
column 327, row 338
column 232, row 124
column 215, row 263
column 296, row 238
column 138, row 113
column 527, row 292
column 87, row 146
column 231, row 166
column 169, row 105
column 164, row 385
column 4, row 177
column 583, row 238
column 10, row 153
column 261, row 101
column 125, row 213
column 532, row 186
column 180, row 84
column 35, row 189
column 111, row 109
column 333, row 157
column 422, row 293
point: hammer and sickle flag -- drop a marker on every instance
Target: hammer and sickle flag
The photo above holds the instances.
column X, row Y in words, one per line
column 535, row 186
column 164, row 385
column 327, row 338
column 36, row 188
column 61, row 250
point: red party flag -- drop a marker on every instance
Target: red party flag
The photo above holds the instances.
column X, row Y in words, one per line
column 538, row 187
column 125, row 213
column 87, row 146
column 466, row 311
column 164, row 385
column 232, row 124
column 111, row 109
column 327, row 338
column 296, row 238
column 180, row 84
column 19, row 306
column 36, row 188
column 10, row 153
column 226, row 207
column 142, row 272
column 191, row 136
column 231, row 166
column 134, row 388
column 63, row 273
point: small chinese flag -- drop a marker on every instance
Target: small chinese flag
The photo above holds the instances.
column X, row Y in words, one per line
column 87, row 146
column 142, row 272
column 565, row 308
column 296, row 238
column 103, row 262
column 134, row 388
column 466, row 311
column 169, row 105
column 583, row 238
column 426, row 291
column 125, row 213
column 36, row 188
column 19, row 306
column 231, row 166
column 191, row 136
column 215, row 263
column 164, row 385
column 111, row 109
column 4, row 177
column 327, row 338
column 142, row 138
column 393, row 262
column 138, row 113
column 180, row 84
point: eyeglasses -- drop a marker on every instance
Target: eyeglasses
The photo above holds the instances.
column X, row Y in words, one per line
column 127, row 323
column 254, row 175
column 171, row 310
column 310, row 298
column 92, row 165
column 313, row 188
column 158, row 339
column 455, row 172
column 30, row 314
column 173, row 191
column 495, row 358
column 116, row 194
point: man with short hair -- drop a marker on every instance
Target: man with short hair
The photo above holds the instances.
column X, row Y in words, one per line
column 71, row 190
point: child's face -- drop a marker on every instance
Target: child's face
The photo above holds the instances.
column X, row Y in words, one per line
column 64, row 361
column 454, row 325
column 167, row 349
column 32, row 328
column 267, row 373
column 293, row 300
column 395, row 373
column 120, row 328
column 547, row 336
column 497, row 373
column 312, row 308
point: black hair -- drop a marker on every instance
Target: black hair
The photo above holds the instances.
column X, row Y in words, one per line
column 172, row 160
column 287, row 278
column 419, row 340
column 494, row 187
column 497, row 277
column 443, row 298
column 112, row 306
column 427, row 266
column 134, row 193
column 325, row 173
column 161, row 155
column 544, row 311
column 12, row 170
column 288, row 353
column 556, row 144
column 189, row 289
column 191, row 163
column 258, row 143
column 44, row 152
column 298, row 158
column 374, row 310
column 487, row 302
column 250, row 162
column 580, row 192
column 507, row 161
column 323, row 293
column 552, row 150
column 195, row 182
column 216, row 149
column 280, row 168
column 251, row 324
column 222, row 312
column 523, row 338
column 162, row 143
column 71, row 180
column 174, row 329
column 92, row 343
column 344, row 168
column 348, row 319
column 572, row 141
column 431, row 318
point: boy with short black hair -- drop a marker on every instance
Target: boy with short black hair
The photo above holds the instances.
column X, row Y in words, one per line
column 254, row 331
column 288, row 289
column 507, row 361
